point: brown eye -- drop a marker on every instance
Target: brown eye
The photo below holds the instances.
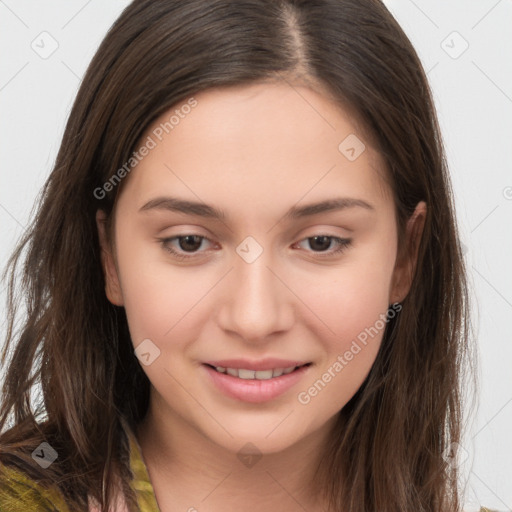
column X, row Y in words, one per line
column 190, row 242
column 322, row 244
column 186, row 244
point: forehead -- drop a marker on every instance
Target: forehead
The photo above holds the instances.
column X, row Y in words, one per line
column 257, row 146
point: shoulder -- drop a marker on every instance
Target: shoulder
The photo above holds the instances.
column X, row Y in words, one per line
column 19, row 493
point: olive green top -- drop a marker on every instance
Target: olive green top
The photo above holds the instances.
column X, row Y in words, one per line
column 19, row 493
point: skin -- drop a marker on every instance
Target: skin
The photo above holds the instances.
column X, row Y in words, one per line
column 252, row 151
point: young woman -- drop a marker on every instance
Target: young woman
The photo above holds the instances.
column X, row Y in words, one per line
column 244, row 285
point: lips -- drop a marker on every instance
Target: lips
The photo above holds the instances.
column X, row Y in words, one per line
column 261, row 365
column 243, row 373
column 245, row 388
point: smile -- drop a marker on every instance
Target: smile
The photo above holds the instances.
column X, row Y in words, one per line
column 255, row 386
column 243, row 373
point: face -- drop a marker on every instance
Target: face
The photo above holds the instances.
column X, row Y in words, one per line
column 259, row 279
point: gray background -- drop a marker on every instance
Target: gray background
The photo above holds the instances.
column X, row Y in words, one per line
column 465, row 47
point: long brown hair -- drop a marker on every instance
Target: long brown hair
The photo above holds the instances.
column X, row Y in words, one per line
column 386, row 452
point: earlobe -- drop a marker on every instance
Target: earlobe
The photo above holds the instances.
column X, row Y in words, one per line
column 112, row 285
column 405, row 267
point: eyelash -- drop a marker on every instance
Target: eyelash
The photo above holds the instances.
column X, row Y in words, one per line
column 343, row 244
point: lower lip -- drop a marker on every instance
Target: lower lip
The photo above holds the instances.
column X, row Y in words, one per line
column 254, row 390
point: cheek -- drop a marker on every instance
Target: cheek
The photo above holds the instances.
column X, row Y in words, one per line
column 349, row 346
column 349, row 298
column 350, row 307
column 157, row 296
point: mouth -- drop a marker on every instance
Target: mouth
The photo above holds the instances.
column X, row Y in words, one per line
column 248, row 374
column 266, row 382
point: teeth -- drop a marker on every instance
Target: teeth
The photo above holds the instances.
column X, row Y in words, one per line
column 246, row 374
column 277, row 372
column 242, row 373
column 264, row 374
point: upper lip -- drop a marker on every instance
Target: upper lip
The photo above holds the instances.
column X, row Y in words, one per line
column 263, row 364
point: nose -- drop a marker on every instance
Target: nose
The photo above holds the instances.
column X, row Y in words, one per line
column 256, row 301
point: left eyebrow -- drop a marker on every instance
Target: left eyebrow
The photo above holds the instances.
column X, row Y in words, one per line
column 295, row 212
column 338, row 203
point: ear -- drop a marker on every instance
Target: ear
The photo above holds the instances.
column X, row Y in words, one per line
column 406, row 262
column 112, row 284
